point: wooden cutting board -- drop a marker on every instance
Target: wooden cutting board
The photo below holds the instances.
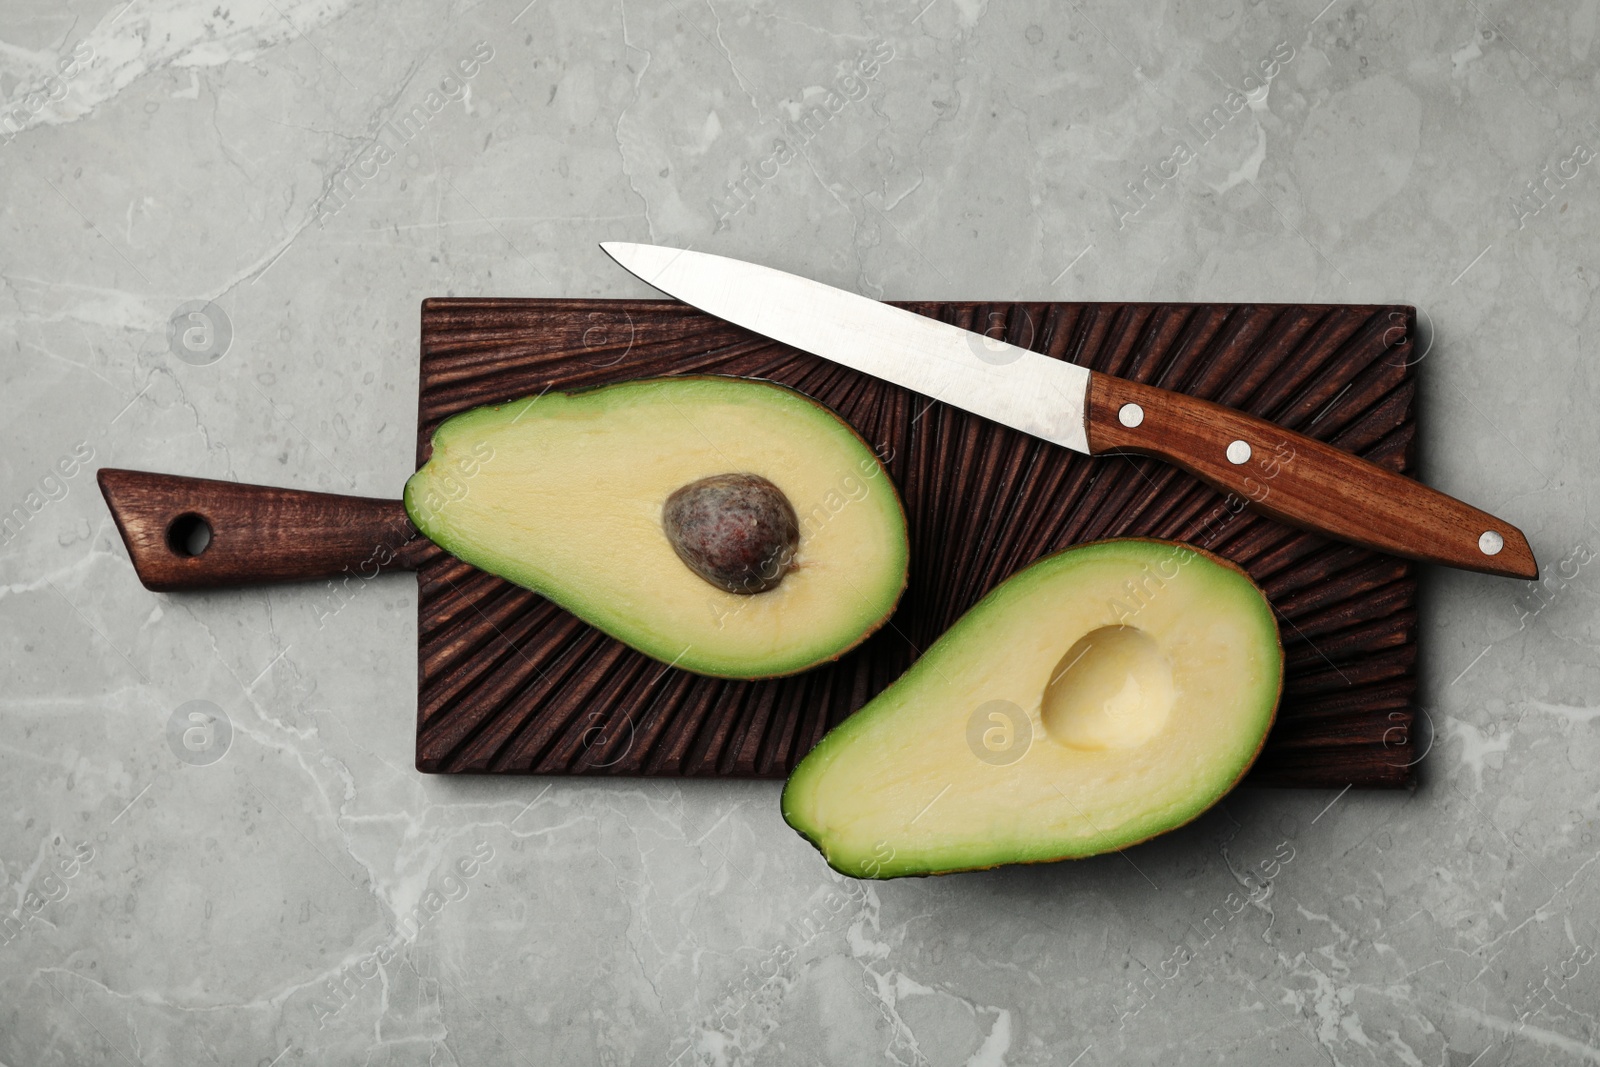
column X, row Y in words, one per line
column 509, row 683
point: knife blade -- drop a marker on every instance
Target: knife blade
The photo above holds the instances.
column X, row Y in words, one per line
column 1277, row 472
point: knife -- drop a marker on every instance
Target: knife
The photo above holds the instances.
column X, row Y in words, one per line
column 1311, row 485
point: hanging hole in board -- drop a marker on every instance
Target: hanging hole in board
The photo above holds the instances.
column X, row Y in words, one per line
column 188, row 535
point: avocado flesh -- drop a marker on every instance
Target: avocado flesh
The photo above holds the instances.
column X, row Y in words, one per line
column 1148, row 728
column 563, row 494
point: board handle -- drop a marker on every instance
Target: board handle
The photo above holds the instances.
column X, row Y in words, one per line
column 1301, row 481
column 200, row 533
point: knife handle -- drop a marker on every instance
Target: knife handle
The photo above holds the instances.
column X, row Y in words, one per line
column 1302, row 482
column 253, row 533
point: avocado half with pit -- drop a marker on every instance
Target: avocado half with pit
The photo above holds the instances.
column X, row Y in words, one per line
column 1103, row 695
column 728, row 526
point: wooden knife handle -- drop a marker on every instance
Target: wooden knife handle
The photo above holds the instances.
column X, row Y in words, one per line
column 1300, row 481
column 257, row 533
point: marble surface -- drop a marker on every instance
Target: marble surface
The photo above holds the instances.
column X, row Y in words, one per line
column 272, row 883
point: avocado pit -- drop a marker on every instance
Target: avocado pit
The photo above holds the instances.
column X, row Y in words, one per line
column 737, row 531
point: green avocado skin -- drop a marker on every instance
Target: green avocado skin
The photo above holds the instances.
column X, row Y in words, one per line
column 682, row 393
column 888, row 861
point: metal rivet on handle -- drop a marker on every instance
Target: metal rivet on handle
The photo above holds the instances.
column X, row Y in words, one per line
column 1130, row 415
column 1490, row 543
column 1239, row 452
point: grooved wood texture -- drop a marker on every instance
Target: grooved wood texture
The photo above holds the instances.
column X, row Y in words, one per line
column 510, row 683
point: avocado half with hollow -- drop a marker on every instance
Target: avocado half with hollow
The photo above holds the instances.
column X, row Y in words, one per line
column 1103, row 695
column 728, row 526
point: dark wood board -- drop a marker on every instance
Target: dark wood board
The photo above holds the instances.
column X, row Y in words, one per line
column 508, row 683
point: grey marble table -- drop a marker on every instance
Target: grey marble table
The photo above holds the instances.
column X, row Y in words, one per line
column 218, row 220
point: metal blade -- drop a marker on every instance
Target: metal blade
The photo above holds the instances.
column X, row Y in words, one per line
column 1011, row 385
